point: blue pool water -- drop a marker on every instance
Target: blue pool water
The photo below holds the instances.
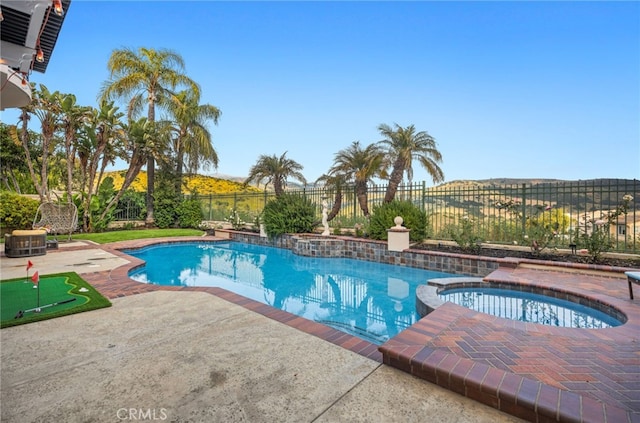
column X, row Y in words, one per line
column 529, row 307
column 373, row 301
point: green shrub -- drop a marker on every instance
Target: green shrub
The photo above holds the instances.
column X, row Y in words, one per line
column 289, row 213
column 165, row 212
column 190, row 213
column 383, row 215
column 16, row 211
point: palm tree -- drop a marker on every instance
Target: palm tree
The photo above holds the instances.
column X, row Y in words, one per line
column 403, row 146
column 275, row 170
column 46, row 106
column 192, row 139
column 359, row 166
column 149, row 76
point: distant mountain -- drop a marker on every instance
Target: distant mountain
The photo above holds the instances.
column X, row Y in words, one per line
column 578, row 195
column 228, row 177
column 534, row 181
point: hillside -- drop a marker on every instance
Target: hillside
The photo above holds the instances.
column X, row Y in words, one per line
column 501, row 182
column 202, row 184
column 223, row 184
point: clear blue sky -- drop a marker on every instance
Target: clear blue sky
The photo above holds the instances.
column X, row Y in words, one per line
column 507, row 89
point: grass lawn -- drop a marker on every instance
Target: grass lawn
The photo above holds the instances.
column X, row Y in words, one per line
column 125, row 235
column 58, row 295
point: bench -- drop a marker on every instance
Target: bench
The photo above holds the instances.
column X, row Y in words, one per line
column 56, row 218
column 632, row 277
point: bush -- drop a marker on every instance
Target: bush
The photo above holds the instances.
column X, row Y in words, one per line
column 164, row 210
column 288, row 213
column 382, row 219
column 190, row 213
column 16, row 211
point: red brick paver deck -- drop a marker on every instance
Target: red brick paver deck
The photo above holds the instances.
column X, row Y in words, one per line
column 534, row 372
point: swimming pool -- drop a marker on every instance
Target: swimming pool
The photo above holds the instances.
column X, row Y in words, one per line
column 529, row 307
column 373, row 301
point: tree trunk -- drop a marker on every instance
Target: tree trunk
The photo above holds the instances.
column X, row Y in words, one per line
column 149, row 221
column 15, row 183
column 93, row 168
column 361, row 194
column 47, row 138
column 277, row 187
column 337, row 205
column 394, row 181
column 151, row 165
column 24, row 140
column 68, row 138
column 179, row 163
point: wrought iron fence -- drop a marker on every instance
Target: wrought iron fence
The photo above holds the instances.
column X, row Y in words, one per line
column 517, row 212
column 129, row 210
column 505, row 213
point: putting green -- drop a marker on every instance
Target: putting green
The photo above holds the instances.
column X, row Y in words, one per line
column 55, row 295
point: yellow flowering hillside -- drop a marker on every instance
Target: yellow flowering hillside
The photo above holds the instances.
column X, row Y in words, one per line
column 139, row 184
column 200, row 183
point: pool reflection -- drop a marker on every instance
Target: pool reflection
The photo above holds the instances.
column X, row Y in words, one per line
column 370, row 300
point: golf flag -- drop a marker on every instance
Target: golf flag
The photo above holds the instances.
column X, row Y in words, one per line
column 35, row 278
column 29, row 265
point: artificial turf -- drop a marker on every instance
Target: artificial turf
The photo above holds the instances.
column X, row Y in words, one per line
column 19, row 295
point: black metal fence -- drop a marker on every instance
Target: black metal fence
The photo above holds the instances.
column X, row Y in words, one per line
column 505, row 213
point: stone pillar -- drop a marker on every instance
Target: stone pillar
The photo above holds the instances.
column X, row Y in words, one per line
column 398, row 236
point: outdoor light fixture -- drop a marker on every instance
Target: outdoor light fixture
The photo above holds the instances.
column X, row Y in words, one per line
column 24, row 80
column 40, row 55
column 57, row 7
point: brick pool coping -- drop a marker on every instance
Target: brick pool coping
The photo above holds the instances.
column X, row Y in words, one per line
column 530, row 371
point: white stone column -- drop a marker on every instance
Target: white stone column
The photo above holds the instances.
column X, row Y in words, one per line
column 398, row 236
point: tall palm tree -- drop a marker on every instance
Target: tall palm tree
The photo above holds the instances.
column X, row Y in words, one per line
column 275, row 170
column 192, row 139
column 149, row 76
column 403, row 146
column 359, row 166
column 46, row 106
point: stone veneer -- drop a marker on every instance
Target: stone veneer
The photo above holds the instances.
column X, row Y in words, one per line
column 370, row 250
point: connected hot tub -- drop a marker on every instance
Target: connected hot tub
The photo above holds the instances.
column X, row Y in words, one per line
column 521, row 302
